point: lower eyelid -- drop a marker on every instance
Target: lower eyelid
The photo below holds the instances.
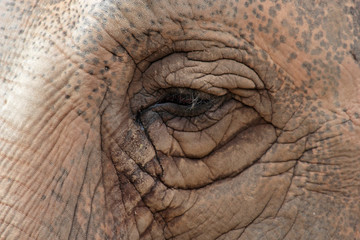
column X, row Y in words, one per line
column 203, row 121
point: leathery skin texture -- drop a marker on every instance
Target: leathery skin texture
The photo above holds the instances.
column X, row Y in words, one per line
column 202, row 119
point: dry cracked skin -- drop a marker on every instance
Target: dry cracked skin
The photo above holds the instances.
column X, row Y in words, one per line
column 204, row 119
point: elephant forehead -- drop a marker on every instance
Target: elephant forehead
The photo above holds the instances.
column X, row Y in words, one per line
column 311, row 42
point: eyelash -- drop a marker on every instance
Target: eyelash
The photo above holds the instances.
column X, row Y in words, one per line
column 190, row 99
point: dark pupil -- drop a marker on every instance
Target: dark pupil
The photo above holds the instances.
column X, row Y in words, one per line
column 183, row 99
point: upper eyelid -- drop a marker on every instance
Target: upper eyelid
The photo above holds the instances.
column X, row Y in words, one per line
column 221, row 75
column 213, row 77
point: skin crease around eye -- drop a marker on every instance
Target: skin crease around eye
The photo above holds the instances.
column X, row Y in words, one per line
column 192, row 108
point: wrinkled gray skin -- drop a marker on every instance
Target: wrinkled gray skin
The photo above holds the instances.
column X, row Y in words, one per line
column 196, row 119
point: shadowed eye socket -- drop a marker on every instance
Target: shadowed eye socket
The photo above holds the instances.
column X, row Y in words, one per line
column 186, row 102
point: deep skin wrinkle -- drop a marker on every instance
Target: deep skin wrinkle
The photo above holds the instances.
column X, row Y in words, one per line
column 87, row 153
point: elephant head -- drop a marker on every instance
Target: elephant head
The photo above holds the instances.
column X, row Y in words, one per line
column 204, row 119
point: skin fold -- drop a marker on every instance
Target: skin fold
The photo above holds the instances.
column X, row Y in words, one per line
column 204, row 119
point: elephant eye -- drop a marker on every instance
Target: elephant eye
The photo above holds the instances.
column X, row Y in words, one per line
column 190, row 99
column 185, row 102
